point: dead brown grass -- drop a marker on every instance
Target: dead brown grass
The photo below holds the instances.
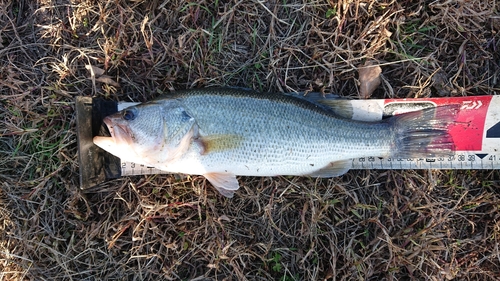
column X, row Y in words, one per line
column 366, row 225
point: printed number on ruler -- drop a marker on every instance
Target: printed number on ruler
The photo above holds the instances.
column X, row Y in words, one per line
column 133, row 169
column 456, row 161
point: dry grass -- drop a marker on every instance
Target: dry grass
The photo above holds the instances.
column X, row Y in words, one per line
column 366, row 225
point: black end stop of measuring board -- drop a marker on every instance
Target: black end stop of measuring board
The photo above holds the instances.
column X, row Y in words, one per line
column 96, row 165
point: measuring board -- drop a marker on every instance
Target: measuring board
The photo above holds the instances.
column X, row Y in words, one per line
column 477, row 143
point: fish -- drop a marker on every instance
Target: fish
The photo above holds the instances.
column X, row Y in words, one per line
column 222, row 133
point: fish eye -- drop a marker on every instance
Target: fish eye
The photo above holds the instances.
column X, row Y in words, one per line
column 129, row 114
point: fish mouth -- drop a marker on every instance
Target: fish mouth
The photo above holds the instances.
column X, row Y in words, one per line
column 118, row 131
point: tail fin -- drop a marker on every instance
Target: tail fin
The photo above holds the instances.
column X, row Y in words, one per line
column 425, row 133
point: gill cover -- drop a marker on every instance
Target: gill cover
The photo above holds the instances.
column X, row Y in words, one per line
column 179, row 129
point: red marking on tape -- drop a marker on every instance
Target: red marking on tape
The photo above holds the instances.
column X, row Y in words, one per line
column 468, row 133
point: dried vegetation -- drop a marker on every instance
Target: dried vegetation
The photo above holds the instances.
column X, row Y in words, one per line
column 366, row 225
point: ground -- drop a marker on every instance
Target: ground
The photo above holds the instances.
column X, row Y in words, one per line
column 365, row 225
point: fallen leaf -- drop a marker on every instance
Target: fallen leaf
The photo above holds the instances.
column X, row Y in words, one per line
column 107, row 80
column 386, row 32
column 172, row 245
column 223, row 218
column 369, row 79
column 441, row 84
column 94, row 70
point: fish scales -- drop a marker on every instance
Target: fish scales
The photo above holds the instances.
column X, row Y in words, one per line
column 224, row 132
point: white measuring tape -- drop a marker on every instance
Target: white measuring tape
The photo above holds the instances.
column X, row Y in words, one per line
column 477, row 145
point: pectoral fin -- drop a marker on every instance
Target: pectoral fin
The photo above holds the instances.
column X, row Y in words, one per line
column 334, row 169
column 218, row 143
column 225, row 183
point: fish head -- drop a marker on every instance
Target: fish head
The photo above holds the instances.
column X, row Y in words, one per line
column 136, row 132
column 155, row 133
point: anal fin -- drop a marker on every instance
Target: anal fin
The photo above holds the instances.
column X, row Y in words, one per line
column 334, row 169
column 225, row 183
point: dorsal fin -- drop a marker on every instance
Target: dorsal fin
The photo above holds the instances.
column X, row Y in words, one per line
column 333, row 103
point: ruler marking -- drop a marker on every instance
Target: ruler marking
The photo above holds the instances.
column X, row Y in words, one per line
column 461, row 160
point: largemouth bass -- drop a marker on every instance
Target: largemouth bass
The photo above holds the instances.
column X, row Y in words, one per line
column 222, row 133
